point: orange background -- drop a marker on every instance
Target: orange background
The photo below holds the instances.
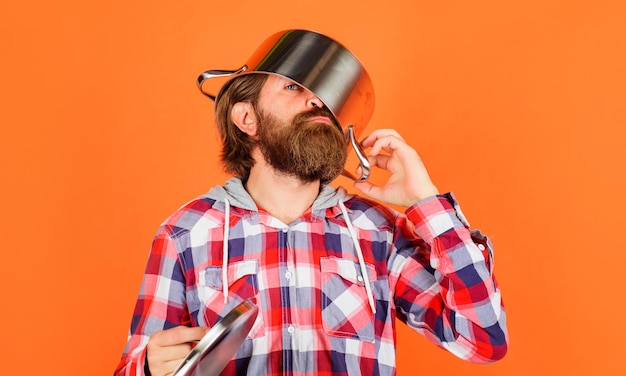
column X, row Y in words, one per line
column 517, row 107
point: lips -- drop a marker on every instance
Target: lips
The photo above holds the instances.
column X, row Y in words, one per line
column 321, row 119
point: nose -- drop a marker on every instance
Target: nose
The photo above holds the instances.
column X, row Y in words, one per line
column 314, row 101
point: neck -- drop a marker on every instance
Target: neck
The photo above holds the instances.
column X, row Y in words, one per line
column 283, row 196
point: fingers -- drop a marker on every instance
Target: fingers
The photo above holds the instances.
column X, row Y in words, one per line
column 381, row 161
column 409, row 181
column 164, row 360
column 381, row 133
column 390, row 142
column 392, row 154
column 178, row 335
column 168, row 348
column 169, row 353
column 369, row 190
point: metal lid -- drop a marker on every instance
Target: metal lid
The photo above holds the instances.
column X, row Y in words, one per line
column 218, row 346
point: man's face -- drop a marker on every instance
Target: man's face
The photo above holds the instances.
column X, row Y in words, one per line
column 296, row 135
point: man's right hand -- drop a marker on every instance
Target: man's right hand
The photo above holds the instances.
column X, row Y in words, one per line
column 168, row 348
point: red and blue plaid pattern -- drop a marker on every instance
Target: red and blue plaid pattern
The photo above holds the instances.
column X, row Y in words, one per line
column 426, row 268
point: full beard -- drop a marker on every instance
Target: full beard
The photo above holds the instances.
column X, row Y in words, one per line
column 309, row 150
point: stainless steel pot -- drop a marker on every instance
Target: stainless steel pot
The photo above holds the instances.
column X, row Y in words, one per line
column 322, row 66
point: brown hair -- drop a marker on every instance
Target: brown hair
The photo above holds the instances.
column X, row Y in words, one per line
column 237, row 146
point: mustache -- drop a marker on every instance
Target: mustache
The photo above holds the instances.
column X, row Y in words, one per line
column 315, row 112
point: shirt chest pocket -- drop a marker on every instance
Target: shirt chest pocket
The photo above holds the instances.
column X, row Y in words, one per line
column 242, row 285
column 345, row 306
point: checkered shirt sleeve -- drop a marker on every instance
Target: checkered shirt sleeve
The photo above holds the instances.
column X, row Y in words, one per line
column 447, row 291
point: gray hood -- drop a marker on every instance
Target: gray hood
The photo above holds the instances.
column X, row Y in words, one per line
column 234, row 191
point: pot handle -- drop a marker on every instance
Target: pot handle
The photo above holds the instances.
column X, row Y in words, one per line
column 363, row 161
column 217, row 73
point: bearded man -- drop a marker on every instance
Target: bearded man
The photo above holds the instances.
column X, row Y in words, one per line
column 330, row 272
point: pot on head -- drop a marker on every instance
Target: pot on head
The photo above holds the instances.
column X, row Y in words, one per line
column 322, row 66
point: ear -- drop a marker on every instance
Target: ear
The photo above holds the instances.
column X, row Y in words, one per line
column 244, row 118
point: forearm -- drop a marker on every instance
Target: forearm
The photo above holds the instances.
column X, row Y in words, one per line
column 457, row 301
column 160, row 304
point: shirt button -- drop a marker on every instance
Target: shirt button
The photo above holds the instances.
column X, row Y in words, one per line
column 291, row 329
column 288, row 275
column 481, row 247
column 285, row 229
column 359, row 278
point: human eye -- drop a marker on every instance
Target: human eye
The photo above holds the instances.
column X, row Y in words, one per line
column 292, row 87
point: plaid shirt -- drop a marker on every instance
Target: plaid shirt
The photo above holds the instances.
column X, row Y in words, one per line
column 426, row 268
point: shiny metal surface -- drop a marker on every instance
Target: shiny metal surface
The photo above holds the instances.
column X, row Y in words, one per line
column 360, row 154
column 218, row 73
column 320, row 65
column 220, row 344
